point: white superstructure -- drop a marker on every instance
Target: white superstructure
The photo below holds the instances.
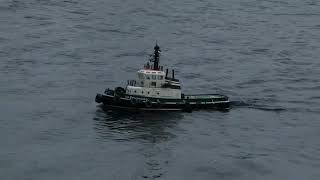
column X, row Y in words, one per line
column 153, row 83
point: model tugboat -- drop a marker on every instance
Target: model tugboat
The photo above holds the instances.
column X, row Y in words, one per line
column 154, row 90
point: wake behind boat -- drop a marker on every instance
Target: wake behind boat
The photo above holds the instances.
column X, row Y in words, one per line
column 154, row 90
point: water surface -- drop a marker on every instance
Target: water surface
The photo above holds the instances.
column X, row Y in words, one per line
column 56, row 55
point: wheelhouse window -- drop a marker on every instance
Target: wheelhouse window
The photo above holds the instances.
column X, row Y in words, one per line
column 160, row 77
column 154, row 77
column 153, row 84
column 148, row 77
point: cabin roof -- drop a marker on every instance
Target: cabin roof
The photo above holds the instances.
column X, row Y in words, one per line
column 151, row 72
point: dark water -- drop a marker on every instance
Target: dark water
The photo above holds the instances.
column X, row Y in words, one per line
column 56, row 55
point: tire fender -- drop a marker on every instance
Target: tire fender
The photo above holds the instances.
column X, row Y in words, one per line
column 148, row 103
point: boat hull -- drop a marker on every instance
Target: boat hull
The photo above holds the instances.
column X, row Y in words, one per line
column 188, row 103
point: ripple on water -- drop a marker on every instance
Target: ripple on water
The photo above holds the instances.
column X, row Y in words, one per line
column 146, row 127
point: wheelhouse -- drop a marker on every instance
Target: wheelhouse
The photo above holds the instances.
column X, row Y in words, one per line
column 151, row 78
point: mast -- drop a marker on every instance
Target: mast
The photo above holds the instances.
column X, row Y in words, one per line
column 156, row 56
